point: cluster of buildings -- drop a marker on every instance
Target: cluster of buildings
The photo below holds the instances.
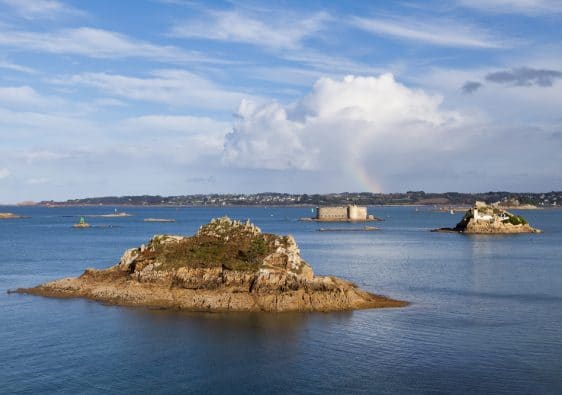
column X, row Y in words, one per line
column 482, row 212
column 549, row 199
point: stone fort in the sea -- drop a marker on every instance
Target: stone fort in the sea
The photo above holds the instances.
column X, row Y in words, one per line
column 344, row 213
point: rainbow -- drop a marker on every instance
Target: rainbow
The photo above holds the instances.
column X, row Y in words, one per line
column 365, row 180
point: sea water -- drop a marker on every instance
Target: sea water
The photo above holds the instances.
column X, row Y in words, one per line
column 486, row 312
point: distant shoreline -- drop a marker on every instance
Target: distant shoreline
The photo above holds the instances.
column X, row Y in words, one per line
column 451, row 200
column 441, row 208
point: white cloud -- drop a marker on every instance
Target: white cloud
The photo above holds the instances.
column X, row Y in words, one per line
column 23, row 96
column 373, row 133
column 265, row 137
column 442, row 32
column 280, row 32
column 531, row 7
column 27, row 99
column 109, row 102
column 33, row 9
column 4, row 172
column 31, row 156
column 338, row 121
column 16, row 67
column 174, row 87
column 97, row 43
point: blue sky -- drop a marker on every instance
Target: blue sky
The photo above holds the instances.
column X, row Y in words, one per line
column 180, row 97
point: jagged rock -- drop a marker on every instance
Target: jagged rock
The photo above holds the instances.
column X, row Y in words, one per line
column 226, row 266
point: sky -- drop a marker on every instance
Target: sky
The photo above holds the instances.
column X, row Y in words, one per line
column 171, row 97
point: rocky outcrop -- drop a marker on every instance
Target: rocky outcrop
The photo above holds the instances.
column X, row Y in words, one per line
column 484, row 219
column 226, row 266
column 10, row 216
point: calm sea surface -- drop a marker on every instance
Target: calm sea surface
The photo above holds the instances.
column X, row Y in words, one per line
column 486, row 313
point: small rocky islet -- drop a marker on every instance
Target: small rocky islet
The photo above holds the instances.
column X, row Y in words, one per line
column 490, row 219
column 226, row 266
column 10, row 216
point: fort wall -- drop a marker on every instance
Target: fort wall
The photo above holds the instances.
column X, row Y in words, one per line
column 331, row 213
column 348, row 213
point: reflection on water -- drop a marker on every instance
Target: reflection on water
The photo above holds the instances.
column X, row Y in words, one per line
column 485, row 315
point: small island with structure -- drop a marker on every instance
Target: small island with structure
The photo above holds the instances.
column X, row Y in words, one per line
column 81, row 224
column 226, row 266
column 350, row 213
column 485, row 219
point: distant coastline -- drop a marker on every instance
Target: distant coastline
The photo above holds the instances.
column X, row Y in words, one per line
column 442, row 201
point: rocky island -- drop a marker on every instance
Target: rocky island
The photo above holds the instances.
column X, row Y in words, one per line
column 226, row 266
column 484, row 219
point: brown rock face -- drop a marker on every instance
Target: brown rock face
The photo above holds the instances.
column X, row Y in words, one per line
column 226, row 266
column 497, row 226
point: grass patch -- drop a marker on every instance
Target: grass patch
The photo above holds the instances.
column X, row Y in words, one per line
column 515, row 220
column 237, row 252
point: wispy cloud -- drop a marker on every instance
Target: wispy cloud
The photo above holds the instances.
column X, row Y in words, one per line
column 177, row 88
column 277, row 32
column 34, row 9
column 530, row 7
column 96, row 43
column 25, row 96
column 16, row 67
column 175, row 124
column 20, row 127
column 37, row 181
column 441, row 32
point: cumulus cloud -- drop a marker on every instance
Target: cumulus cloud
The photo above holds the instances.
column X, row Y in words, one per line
column 376, row 134
column 265, row 137
column 525, row 76
column 339, row 120
column 471, row 87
